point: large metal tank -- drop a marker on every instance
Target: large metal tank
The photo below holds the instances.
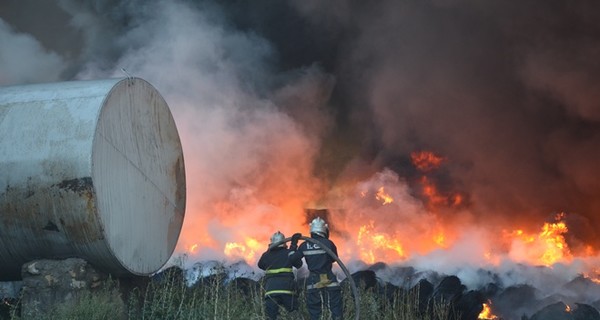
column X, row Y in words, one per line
column 89, row 169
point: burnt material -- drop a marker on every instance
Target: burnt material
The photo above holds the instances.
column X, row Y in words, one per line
column 80, row 186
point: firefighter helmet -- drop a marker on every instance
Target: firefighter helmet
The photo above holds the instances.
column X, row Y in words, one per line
column 319, row 226
column 278, row 237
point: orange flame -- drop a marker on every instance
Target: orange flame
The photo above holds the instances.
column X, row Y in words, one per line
column 486, row 313
column 247, row 250
column 382, row 196
column 437, row 199
column 375, row 245
column 593, row 275
column 431, row 192
column 390, row 229
column 440, row 239
column 547, row 247
column 426, row 160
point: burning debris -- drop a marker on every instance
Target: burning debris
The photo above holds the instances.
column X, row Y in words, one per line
column 561, row 311
column 486, row 313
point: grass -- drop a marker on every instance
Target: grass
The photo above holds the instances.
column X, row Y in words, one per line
column 215, row 298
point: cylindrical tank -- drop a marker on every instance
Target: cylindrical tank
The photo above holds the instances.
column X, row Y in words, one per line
column 90, row 169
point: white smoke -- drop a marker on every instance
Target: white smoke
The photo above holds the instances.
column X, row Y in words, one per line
column 24, row 60
column 248, row 162
column 250, row 133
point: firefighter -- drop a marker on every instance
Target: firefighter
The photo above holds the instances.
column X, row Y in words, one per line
column 280, row 283
column 322, row 287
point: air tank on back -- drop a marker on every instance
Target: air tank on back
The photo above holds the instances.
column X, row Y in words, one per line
column 91, row 169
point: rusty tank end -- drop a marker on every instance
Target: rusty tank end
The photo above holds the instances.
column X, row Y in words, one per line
column 89, row 169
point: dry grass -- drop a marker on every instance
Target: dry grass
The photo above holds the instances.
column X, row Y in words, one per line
column 214, row 298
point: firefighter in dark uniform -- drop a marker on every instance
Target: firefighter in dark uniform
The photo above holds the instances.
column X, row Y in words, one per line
column 322, row 287
column 280, row 283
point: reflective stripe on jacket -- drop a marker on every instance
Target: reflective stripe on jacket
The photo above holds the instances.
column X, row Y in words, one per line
column 279, row 276
column 317, row 259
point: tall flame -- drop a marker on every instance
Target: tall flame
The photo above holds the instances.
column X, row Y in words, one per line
column 546, row 247
column 486, row 313
column 374, row 245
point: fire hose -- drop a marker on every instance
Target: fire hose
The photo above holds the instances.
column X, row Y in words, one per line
column 340, row 263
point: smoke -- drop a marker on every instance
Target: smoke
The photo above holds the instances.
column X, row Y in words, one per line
column 283, row 106
column 250, row 132
column 23, row 59
column 508, row 92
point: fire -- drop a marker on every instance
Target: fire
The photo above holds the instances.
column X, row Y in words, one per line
column 440, row 239
column 426, row 160
column 431, row 192
column 595, row 280
column 486, row 313
column 593, row 275
column 247, row 250
column 387, row 219
column 382, row 196
column 374, row 246
column 437, row 199
column 376, row 241
column 457, row 199
column 547, row 247
column 488, row 256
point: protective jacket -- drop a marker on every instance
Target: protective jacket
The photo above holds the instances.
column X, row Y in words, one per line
column 318, row 261
column 279, row 278
column 322, row 285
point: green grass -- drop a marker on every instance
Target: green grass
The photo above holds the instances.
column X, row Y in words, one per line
column 171, row 298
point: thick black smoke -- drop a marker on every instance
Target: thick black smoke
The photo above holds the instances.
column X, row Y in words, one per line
column 508, row 92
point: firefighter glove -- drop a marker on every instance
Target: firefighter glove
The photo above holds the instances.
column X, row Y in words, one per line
column 295, row 239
